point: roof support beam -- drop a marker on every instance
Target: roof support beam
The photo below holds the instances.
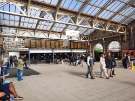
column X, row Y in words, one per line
column 28, row 6
column 81, row 9
column 120, row 10
column 28, row 28
column 57, row 9
column 104, row 7
column 51, row 27
column 64, row 29
column 39, row 18
column 56, row 13
column 42, row 14
column 86, row 30
column 130, row 3
column 123, row 20
column 19, row 21
column 52, row 8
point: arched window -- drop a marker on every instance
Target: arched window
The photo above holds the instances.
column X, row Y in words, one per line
column 98, row 48
column 114, row 46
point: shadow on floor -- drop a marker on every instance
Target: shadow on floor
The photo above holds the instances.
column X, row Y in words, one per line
column 79, row 74
column 126, row 82
column 27, row 72
column 83, row 74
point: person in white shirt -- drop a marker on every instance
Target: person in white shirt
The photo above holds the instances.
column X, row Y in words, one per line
column 103, row 67
column 90, row 63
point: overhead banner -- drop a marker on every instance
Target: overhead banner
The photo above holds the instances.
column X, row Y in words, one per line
column 72, row 33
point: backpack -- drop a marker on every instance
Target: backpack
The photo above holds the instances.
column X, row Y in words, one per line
column 85, row 59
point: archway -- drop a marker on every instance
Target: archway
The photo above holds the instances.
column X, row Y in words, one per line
column 115, row 48
column 98, row 49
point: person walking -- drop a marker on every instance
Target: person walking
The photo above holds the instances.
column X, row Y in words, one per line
column 103, row 69
column 114, row 64
column 11, row 61
column 90, row 64
column 20, row 68
column 109, row 64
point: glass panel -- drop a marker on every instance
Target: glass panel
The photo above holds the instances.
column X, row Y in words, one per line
column 27, row 22
column 72, row 4
column 54, row 2
column 89, row 31
column 124, row 0
column 44, row 25
column 127, row 21
column 65, row 19
column 98, row 3
column 127, row 11
column 34, row 12
column 58, row 27
column 49, row 16
column 1, row 16
column 6, row 7
column 106, row 14
column 86, row 9
column 81, row 29
column 2, row 4
column 93, row 11
column 115, row 6
column 118, row 18
column 71, row 27
column 12, row 8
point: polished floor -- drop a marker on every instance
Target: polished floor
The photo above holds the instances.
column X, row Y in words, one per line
column 61, row 82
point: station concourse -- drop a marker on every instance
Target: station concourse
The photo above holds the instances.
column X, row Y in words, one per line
column 53, row 39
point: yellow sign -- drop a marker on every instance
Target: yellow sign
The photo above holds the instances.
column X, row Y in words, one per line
column 133, row 66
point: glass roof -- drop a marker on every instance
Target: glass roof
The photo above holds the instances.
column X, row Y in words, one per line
column 118, row 11
column 72, row 4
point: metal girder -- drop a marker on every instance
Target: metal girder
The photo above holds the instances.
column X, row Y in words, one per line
column 86, row 30
column 64, row 29
column 38, row 18
column 56, row 13
column 104, row 7
column 42, row 14
column 130, row 3
column 120, row 10
column 123, row 20
column 57, row 9
column 28, row 6
column 51, row 28
column 106, row 37
column 51, row 8
column 3, row 5
column 19, row 21
column 81, row 8
column 33, row 29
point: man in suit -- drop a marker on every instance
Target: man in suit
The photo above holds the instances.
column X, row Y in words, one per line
column 90, row 64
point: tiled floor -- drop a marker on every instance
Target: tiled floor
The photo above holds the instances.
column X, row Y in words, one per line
column 62, row 82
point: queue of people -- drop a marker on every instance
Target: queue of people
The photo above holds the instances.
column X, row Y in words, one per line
column 7, row 65
column 107, row 66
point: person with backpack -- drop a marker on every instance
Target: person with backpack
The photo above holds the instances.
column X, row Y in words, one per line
column 90, row 64
column 20, row 68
